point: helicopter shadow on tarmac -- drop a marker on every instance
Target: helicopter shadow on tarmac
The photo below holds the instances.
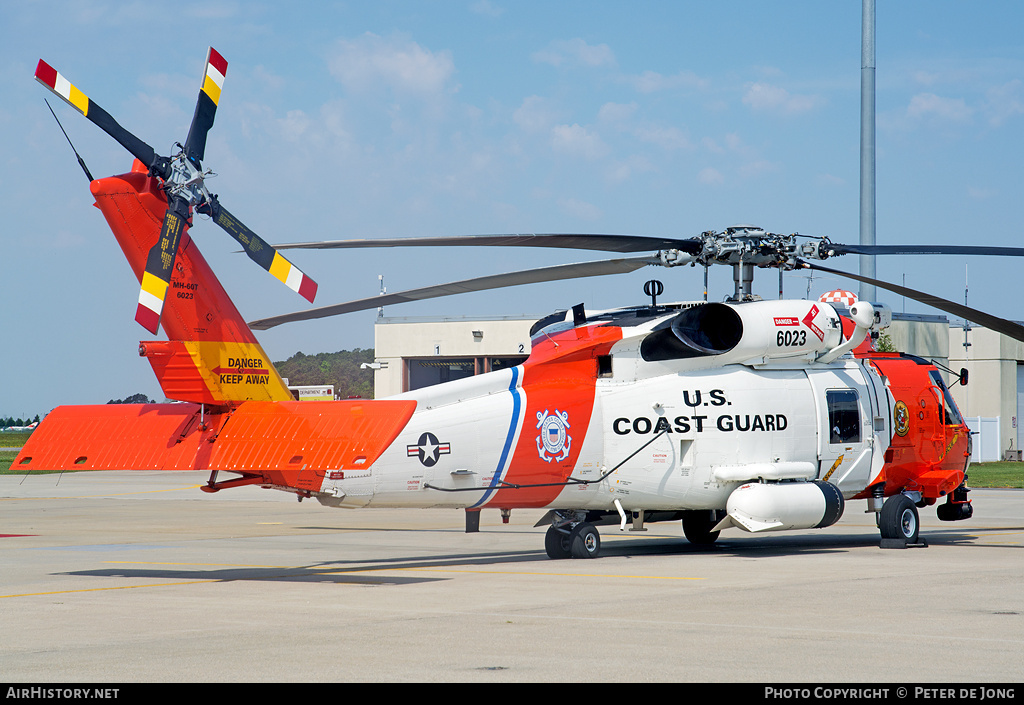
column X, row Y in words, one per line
column 361, row 572
column 380, row 572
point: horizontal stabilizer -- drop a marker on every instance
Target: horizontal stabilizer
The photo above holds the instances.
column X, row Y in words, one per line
column 115, row 437
column 288, row 444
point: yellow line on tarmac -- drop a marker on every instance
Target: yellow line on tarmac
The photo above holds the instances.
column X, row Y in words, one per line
column 121, row 587
column 545, row 574
column 220, row 565
column 105, row 494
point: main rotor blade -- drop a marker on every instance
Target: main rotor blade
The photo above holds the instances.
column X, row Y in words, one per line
column 48, row 76
column 260, row 252
column 206, row 107
column 1001, row 325
column 495, row 281
column 604, row 243
column 926, row 250
column 160, row 265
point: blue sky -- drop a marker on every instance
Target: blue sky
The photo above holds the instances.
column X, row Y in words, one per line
column 388, row 119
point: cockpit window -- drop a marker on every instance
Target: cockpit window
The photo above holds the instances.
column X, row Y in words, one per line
column 843, row 416
column 953, row 417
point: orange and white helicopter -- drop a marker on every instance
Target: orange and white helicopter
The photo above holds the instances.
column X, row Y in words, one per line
column 748, row 414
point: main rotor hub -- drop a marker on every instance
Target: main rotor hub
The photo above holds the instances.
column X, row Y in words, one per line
column 748, row 245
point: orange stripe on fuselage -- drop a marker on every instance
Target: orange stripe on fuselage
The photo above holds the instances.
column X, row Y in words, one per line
column 559, row 378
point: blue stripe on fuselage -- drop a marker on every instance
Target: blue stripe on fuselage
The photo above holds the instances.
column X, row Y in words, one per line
column 509, row 437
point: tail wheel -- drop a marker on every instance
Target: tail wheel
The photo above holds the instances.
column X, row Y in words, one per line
column 899, row 519
column 556, row 544
column 584, row 541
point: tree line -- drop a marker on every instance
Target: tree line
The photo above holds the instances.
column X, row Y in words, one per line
column 342, row 369
column 12, row 421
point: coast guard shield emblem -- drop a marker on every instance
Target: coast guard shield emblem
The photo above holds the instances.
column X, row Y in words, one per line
column 902, row 414
column 553, row 442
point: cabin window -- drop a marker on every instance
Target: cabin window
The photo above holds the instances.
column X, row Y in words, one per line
column 843, row 416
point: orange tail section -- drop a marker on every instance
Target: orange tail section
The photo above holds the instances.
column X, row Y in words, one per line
column 239, row 415
column 211, row 357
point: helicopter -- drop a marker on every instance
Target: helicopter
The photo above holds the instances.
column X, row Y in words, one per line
column 750, row 415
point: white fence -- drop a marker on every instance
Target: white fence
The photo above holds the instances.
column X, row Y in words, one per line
column 986, row 446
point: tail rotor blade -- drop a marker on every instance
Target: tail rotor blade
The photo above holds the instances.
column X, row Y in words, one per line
column 206, row 106
column 262, row 253
column 160, row 265
column 48, row 76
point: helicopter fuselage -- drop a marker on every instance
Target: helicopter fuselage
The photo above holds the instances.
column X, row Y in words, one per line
column 605, row 419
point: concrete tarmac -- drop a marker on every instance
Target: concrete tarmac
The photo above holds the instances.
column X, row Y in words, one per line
column 139, row 577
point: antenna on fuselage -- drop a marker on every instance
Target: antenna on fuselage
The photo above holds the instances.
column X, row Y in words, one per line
column 654, row 289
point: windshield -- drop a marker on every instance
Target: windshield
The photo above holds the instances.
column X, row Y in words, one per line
column 953, row 417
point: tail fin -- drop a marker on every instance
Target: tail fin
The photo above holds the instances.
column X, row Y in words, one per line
column 211, row 357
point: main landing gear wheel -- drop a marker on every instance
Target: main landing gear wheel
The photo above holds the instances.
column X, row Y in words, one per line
column 584, row 541
column 697, row 525
column 557, row 545
column 899, row 519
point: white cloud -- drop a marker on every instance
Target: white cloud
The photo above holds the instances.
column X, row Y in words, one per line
column 929, row 105
column 580, row 209
column 926, row 78
column 736, row 144
column 757, row 168
column 616, row 113
column 577, row 141
column 831, row 180
column 765, row 97
column 1004, row 102
column 710, row 176
column 536, row 114
column 620, row 171
column 295, row 125
column 652, row 81
column 711, row 145
column 397, row 62
column 620, row 117
column 486, row 8
column 575, row 52
column 667, row 138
